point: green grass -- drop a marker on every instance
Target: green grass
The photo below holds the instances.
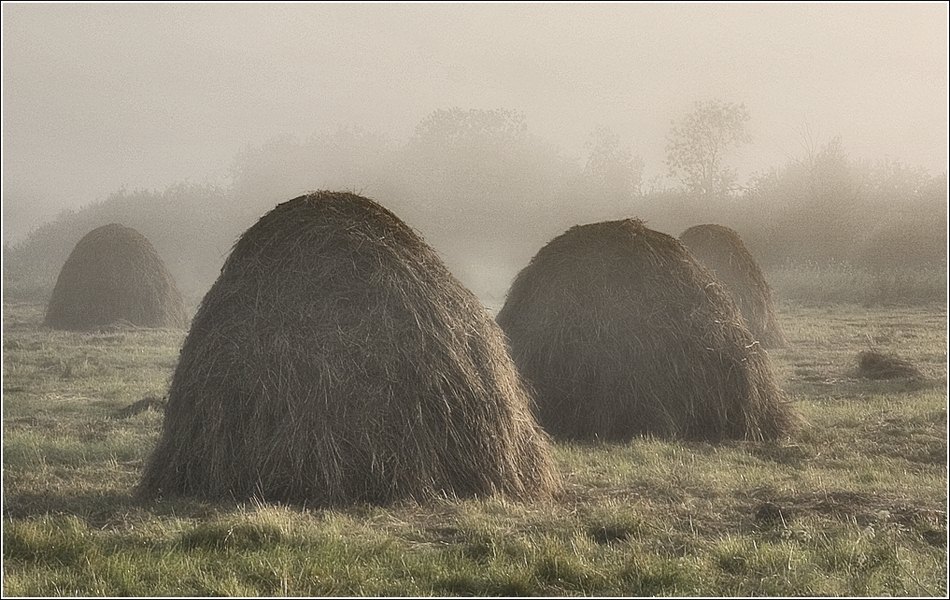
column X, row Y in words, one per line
column 852, row 504
column 817, row 283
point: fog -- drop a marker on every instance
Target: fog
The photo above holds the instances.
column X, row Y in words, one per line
column 97, row 97
column 478, row 125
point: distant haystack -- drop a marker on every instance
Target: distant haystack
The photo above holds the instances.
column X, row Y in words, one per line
column 622, row 333
column 720, row 249
column 114, row 276
column 337, row 361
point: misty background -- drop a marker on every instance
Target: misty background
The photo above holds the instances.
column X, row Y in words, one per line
column 489, row 129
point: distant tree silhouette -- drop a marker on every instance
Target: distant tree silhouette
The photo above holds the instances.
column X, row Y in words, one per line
column 698, row 144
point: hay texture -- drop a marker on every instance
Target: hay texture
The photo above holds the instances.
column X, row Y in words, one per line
column 622, row 333
column 114, row 277
column 336, row 361
column 878, row 365
column 720, row 249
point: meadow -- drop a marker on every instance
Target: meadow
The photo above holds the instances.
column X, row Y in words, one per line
column 854, row 503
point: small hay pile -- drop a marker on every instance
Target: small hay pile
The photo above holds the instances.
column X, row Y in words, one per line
column 114, row 276
column 877, row 365
column 148, row 403
column 720, row 249
column 337, row 361
column 622, row 333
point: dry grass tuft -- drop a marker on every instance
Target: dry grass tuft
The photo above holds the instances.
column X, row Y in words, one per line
column 139, row 406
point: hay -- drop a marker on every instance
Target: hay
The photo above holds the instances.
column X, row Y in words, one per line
column 720, row 249
column 114, row 276
column 336, row 361
column 877, row 365
column 622, row 333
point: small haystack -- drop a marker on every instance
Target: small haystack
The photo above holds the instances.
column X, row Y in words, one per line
column 337, row 361
column 621, row 332
column 877, row 365
column 720, row 249
column 114, row 276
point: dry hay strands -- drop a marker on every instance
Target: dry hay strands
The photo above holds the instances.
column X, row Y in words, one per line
column 114, row 276
column 336, row 361
column 720, row 249
column 621, row 332
column 878, row 365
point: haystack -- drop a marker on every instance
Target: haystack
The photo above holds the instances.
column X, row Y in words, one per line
column 622, row 333
column 720, row 249
column 337, row 361
column 114, row 276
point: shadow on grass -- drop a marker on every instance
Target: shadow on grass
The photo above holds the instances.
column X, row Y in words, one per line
column 102, row 508
column 770, row 509
column 836, row 385
column 796, row 456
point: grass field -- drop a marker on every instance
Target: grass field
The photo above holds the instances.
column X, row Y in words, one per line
column 853, row 504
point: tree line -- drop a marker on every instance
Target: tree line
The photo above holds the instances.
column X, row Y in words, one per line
column 487, row 192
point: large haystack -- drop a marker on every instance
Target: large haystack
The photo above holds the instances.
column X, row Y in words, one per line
column 720, row 249
column 337, row 361
column 621, row 332
column 114, row 276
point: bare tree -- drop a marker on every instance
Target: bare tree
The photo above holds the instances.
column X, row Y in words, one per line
column 697, row 146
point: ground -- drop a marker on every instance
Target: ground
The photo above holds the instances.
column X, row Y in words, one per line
column 854, row 503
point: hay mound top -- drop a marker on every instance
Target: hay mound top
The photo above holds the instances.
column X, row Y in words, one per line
column 720, row 249
column 621, row 333
column 877, row 365
column 114, row 276
column 336, row 361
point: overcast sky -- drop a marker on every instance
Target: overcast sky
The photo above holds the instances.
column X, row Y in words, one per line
column 96, row 97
